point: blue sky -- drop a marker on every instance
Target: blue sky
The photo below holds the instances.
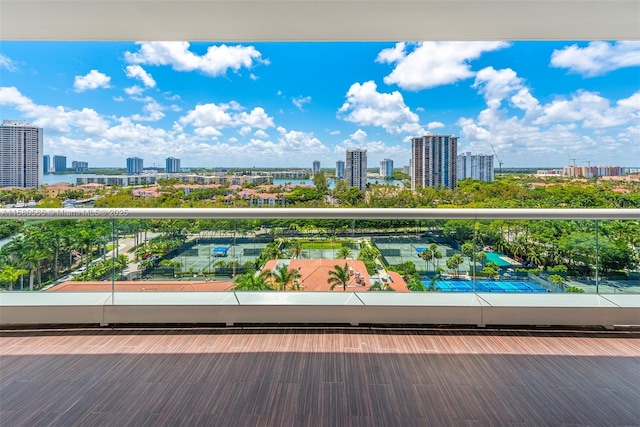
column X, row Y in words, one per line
column 287, row 104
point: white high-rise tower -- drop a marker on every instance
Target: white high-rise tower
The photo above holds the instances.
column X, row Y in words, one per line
column 21, row 159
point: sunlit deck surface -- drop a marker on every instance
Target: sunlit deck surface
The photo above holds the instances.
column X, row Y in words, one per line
column 319, row 376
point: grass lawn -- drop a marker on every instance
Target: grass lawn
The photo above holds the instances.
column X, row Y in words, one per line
column 321, row 245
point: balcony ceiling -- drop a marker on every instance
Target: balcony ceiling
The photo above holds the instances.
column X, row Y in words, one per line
column 273, row 20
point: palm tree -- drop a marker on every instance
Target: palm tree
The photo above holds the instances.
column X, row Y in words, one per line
column 427, row 256
column 454, row 262
column 339, row 276
column 437, row 256
column 518, row 248
column 381, row 286
column 283, row 277
column 272, row 251
column 432, row 285
column 482, row 257
column 344, row 253
column 297, row 252
column 535, row 257
column 415, row 285
column 10, row 274
column 253, row 282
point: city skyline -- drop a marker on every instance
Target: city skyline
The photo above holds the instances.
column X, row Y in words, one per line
column 277, row 104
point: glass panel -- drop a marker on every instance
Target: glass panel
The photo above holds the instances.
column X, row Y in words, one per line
column 533, row 256
column 56, row 255
column 619, row 257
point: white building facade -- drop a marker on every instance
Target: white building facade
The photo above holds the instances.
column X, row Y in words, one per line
column 21, row 159
column 135, row 165
column 478, row 167
column 356, row 168
column 172, row 165
column 340, row 169
column 386, row 168
column 434, row 161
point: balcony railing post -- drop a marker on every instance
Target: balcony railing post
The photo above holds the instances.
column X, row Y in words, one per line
column 114, row 234
column 597, row 260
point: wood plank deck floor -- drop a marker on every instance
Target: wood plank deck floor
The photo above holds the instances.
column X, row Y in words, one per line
column 318, row 377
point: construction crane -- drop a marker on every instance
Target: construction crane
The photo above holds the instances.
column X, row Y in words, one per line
column 497, row 158
column 588, row 162
column 574, row 162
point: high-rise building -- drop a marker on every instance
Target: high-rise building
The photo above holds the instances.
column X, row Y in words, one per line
column 434, row 161
column 340, row 169
column 21, row 160
column 386, row 168
column 134, row 165
column 316, row 167
column 356, row 168
column 80, row 166
column 478, row 167
column 46, row 163
column 59, row 163
column 172, row 165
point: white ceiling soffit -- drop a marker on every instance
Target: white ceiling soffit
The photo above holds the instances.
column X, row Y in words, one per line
column 270, row 20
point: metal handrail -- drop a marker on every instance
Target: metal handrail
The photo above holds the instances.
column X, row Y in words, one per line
column 321, row 213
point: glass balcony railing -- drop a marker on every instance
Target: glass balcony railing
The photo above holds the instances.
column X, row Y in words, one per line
column 428, row 254
column 450, row 250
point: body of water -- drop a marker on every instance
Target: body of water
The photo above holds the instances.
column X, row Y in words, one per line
column 72, row 179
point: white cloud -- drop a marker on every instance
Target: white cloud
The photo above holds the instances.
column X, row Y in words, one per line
column 545, row 133
column 94, row 80
column 137, row 72
column 300, row 101
column 376, row 150
column 435, row 125
column 86, row 134
column 11, row 96
column 7, row 63
column 257, row 118
column 366, row 106
column 253, row 77
column 495, row 85
column 215, row 62
column 359, row 135
column 54, row 119
column 152, row 109
column 592, row 110
column 134, row 90
column 334, row 132
column 299, row 142
column 597, row 57
column 204, row 115
column 428, row 64
column 219, row 116
column 118, row 98
column 245, row 130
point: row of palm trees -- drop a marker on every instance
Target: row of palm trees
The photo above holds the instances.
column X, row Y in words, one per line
column 51, row 248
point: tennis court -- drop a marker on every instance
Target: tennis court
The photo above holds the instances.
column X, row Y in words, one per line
column 203, row 256
column 485, row 286
column 396, row 251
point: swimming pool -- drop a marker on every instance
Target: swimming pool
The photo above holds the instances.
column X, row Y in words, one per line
column 485, row 286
